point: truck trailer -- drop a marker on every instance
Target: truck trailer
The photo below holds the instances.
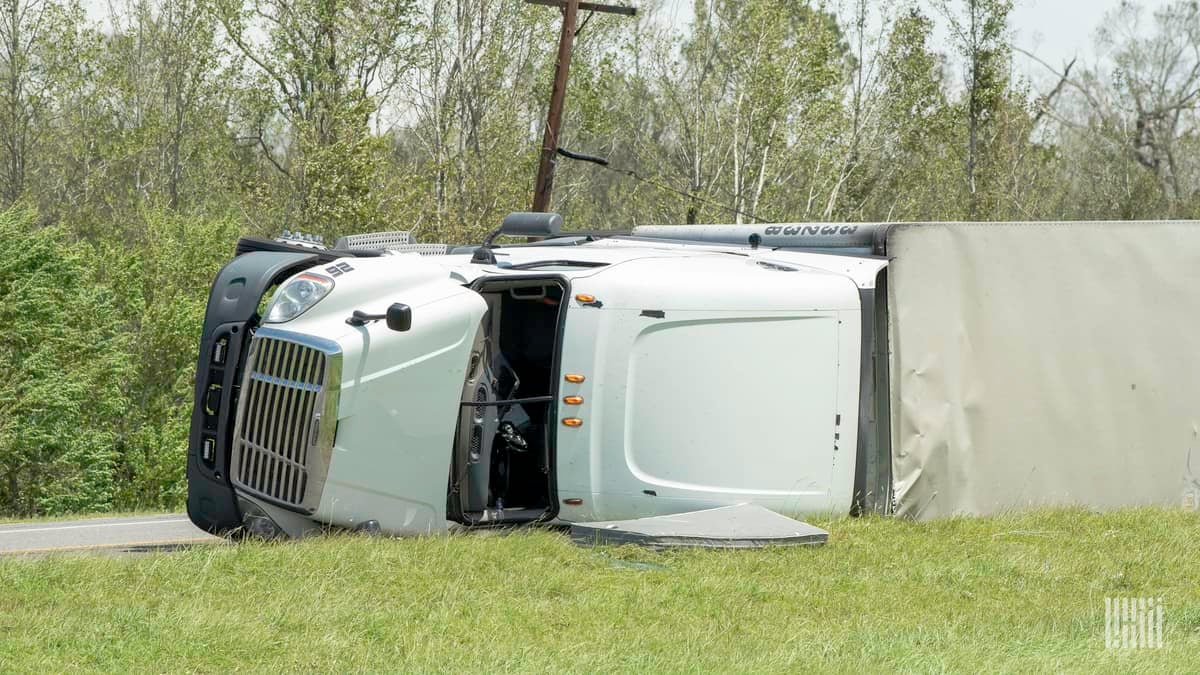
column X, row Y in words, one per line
column 921, row 370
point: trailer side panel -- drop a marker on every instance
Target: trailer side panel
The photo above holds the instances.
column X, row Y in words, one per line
column 1047, row 363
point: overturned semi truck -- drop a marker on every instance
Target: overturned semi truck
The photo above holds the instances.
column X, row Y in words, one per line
column 922, row 370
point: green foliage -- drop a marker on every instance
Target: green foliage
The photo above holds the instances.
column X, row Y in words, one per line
column 164, row 284
column 63, row 362
column 98, row 360
column 317, row 67
column 914, row 170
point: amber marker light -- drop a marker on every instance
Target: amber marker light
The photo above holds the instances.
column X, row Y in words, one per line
column 573, row 422
column 573, row 501
column 574, row 378
column 573, row 400
column 585, row 298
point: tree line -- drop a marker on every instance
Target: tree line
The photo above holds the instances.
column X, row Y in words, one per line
column 136, row 146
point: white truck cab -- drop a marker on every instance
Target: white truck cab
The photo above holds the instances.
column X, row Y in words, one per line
column 578, row 380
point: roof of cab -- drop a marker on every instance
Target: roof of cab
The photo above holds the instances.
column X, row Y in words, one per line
column 616, row 250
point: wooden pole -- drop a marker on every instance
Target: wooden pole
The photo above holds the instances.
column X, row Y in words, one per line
column 543, row 186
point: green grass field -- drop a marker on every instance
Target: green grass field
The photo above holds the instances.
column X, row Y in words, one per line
column 1012, row 593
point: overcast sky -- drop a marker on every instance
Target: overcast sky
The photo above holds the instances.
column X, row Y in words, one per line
column 1055, row 30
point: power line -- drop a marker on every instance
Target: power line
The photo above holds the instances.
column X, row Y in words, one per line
column 603, row 163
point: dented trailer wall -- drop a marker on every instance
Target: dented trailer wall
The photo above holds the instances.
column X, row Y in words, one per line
column 1043, row 363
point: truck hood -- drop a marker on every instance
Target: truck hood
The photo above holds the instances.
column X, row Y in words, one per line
column 397, row 392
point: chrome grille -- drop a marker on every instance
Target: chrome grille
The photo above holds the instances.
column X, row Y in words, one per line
column 286, row 418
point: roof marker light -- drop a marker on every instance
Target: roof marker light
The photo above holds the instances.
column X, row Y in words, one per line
column 573, row 422
column 573, row 400
column 574, row 378
column 573, row 501
column 585, row 298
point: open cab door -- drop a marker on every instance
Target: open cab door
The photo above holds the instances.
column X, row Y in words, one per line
column 503, row 466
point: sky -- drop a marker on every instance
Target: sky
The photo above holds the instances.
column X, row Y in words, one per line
column 1054, row 30
column 1058, row 30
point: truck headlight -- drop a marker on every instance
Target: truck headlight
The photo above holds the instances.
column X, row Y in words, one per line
column 296, row 296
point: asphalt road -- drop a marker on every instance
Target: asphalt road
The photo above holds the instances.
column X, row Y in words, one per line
column 137, row 534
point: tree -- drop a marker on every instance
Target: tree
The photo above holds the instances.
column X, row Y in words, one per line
column 907, row 178
column 1131, row 118
column 980, row 33
column 163, row 282
column 317, row 72
column 756, row 82
column 470, row 103
column 61, row 364
column 34, row 36
column 164, row 95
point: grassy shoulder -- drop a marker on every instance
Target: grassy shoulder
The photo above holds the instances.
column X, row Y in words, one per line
column 1011, row 593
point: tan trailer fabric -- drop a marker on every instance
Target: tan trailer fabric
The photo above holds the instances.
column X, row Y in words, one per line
column 1043, row 363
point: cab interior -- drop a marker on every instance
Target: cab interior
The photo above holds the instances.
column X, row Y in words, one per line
column 502, row 467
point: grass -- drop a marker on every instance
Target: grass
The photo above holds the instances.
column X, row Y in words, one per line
column 1010, row 593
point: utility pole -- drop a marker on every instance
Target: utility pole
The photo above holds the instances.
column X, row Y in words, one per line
column 544, row 184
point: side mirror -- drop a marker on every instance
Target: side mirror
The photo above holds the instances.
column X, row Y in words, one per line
column 399, row 317
column 520, row 224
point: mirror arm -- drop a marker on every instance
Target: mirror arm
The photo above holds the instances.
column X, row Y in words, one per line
column 483, row 255
column 398, row 316
column 360, row 318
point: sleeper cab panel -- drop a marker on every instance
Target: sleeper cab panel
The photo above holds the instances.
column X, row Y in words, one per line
column 697, row 407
